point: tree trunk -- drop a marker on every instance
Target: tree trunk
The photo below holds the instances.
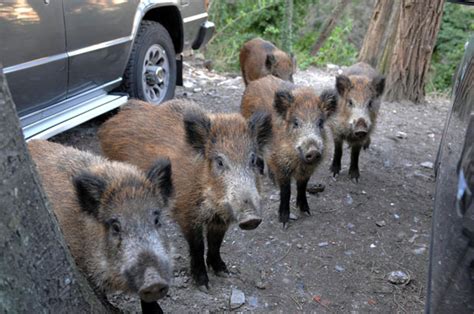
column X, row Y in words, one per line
column 418, row 27
column 287, row 33
column 377, row 33
column 37, row 272
column 329, row 26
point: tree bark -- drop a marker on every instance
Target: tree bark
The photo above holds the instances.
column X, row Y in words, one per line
column 37, row 272
column 329, row 26
column 287, row 33
column 378, row 32
column 418, row 27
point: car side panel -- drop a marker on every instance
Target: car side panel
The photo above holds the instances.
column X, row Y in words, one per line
column 99, row 38
column 33, row 52
column 194, row 15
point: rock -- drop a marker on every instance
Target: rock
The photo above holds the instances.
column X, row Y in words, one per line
column 401, row 134
column 261, row 285
column 293, row 216
column 380, row 223
column 253, row 301
column 398, row 277
column 299, row 246
column 197, row 89
column 315, row 188
column 373, row 246
column 419, row 250
column 427, row 164
column 322, row 244
column 331, row 66
column 350, row 225
column 339, row 269
column 349, row 199
column 396, row 216
column 400, row 236
column 237, row 299
column 188, row 84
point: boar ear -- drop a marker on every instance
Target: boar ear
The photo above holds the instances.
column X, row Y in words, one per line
column 160, row 175
column 260, row 125
column 329, row 101
column 343, row 84
column 379, row 85
column 283, row 101
column 270, row 61
column 197, row 126
column 89, row 190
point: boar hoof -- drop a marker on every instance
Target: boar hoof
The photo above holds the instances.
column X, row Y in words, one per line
column 335, row 169
column 218, row 266
column 354, row 174
column 223, row 273
column 204, row 288
column 306, row 212
column 285, row 225
column 202, row 281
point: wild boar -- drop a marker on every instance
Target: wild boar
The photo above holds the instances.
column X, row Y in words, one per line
column 259, row 58
column 215, row 168
column 299, row 116
column 360, row 90
column 109, row 213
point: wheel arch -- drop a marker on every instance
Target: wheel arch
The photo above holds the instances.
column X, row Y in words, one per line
column 170, row 18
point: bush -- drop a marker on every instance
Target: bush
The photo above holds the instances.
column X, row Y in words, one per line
column 456, row 28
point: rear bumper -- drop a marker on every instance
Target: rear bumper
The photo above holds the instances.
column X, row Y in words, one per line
column 205, row 33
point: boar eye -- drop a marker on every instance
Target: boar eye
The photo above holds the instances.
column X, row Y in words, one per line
column 219, row 162
column 320, row 123
column 369, row 105
column 296, row 123
column 253, row 159
column 351, row 104
column 115, row 226
column 157, row 220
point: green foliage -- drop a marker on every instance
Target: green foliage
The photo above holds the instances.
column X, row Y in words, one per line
column 238, row 21
column 456, row 28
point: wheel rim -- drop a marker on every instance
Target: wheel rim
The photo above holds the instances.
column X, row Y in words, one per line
column 155, row 75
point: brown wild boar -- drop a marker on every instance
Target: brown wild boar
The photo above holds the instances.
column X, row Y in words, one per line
column 299, row 141
column 109, row 213
column 360, row 89
column 215, row 168
column 259, row 58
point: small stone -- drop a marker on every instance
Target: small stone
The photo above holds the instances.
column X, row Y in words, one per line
column 197, row 89
column 427, row 164
column 372, row 246
column 322, row 244
column 400, row 236
column 293, row 216
column 349, row 199
column 237, row 299
column 387, row 163
column 364, row 192
column 350, row 225
column 398, row 277
column 299, row 246
column 339, row 269
column 331, row 66
column 419, row 251
column 188, row 84
column 380, row 223
column 349, row 252
column 401, row 134
column 396, row 216
column 261, row 285
column 253, row 301
column 314, row 188
column 274, row 197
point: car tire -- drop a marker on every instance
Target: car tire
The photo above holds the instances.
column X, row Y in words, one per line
column 151, row 70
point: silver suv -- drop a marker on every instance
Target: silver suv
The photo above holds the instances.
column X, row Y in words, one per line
column 68, row 61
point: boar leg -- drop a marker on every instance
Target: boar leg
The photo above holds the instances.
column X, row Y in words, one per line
column 285, row 194
column 354, row 168
column 196, row 250
column 215, row 235
column 301, row 200
column 366, row 144
column 336, row 161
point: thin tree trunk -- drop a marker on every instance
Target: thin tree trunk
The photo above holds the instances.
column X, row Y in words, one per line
column 329, row 26
column 37, row 272
column 287, row 34
column 418, row 27
column 383, row 63
column 377, row 33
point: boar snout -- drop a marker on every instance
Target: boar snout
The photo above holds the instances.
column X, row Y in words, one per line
column 250, row 222
column 361, row 128
column 249, row 217
column 154, row 287
column 309, row 155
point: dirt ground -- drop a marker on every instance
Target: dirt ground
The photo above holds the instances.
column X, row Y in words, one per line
column 337, row 260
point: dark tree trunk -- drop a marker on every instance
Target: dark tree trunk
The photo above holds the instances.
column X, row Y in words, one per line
column 418, row 27
column 329, row 26
column 379, row 32
column 37, row 272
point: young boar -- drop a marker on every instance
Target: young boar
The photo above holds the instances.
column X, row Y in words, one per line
column 109, row 213
column 360, row 89
column 299, row 117
column 259, row 58
column 215, row 168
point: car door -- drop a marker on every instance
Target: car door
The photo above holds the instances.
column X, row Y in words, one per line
column 99, row 36
column 33, row 52
column 193, row 13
